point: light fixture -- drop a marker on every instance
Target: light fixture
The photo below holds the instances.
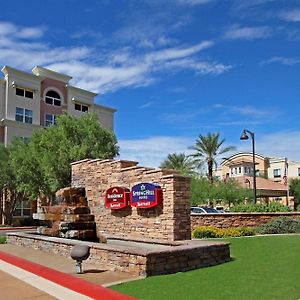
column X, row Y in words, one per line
column 243, row 137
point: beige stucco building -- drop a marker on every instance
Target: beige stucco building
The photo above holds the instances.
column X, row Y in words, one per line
column 30, row 101
column 272, row 174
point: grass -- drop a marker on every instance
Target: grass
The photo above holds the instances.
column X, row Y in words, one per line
column 2, row 239
column 264, row 267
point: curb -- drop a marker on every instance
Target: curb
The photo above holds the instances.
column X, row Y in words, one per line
column 18, row 228
column 68, row 281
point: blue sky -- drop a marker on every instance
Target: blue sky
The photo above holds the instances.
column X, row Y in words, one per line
column 173, row 69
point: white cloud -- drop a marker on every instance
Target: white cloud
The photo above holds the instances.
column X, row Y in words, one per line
column 248, row 111
column 26, row 56
column 252, row 111
column 104, row 72
column 126, row 69
column 150, row 152
column 104, row 78
column 30, row 33
column 9, row 29
column 86, row 33
column 18, row 50
column 244, row 115
column 238, row 123
column 201, row 67
column 147, row 104
column 160, row 41
column 247, row 33
column 239, row 5
column 290, row 15
column 288, row 61
column 193, row 2
column 176, row 53
column 183, row 117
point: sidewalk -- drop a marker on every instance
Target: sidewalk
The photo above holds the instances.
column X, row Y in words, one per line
column 27, row 274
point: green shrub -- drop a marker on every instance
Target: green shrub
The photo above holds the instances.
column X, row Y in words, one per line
column 272, row 207
column 205, row 232
column 280, row 225
column 213, row 232
column 247, row 231
column 2, row 239
column 298, row 208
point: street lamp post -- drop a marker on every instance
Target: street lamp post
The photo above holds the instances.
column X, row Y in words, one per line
column 244, row 136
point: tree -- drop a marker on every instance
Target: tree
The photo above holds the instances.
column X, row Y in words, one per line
column 208, row 148
column 295, row 191
column 43, row 165
column 202, row 192
column 179, row 162
column 230, row 192
column 10, row 196
column 225, row 192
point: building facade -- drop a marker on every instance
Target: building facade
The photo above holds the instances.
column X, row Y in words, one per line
column 282, row 169
column 272, row 174
column 241, row 164
column 31, row 101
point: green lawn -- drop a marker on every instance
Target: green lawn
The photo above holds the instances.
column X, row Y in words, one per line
column 261, row 268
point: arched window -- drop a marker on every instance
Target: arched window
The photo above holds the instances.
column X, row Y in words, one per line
column 53, row 98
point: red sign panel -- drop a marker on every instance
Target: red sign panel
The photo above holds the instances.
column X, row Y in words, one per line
column 117, row 198
column 145, row 195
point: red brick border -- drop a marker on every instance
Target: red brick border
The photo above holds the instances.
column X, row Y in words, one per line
column 73, row 283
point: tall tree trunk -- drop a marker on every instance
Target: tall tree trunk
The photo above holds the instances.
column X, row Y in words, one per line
column 210, row 170
column 210, row 178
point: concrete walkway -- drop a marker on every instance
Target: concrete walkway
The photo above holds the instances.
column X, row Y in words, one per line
column 26, row 273
column 13, row 288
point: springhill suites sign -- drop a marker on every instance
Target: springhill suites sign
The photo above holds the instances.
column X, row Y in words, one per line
column 145, row 195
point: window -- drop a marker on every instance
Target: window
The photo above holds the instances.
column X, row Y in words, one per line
column 80, row 107
column 24, row 93
column 50, row 120
column 53, row 98
column 23, row 115
column 245, row 170
column 240, row 170
column 277, row 173
column 23, row 209
column 298, row 171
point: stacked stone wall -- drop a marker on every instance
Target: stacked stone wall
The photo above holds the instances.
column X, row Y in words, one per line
column 183, row 256
column 237, row 219
column 168, row 221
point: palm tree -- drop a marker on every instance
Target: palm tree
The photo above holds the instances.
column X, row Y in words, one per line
column 180, row 162
column 207, row 150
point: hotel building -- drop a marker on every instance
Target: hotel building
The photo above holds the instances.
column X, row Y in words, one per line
column 30, row 101
column 272, row 174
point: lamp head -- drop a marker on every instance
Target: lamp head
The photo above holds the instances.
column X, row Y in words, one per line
column 244, row 136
